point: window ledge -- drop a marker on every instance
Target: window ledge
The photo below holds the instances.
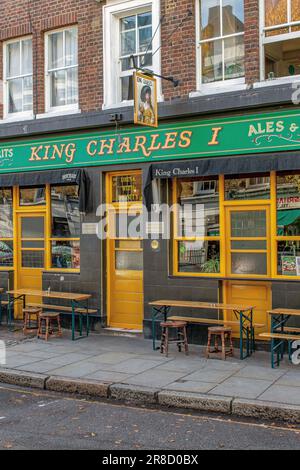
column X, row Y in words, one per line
column 218, row 89
column 59, row 112
column 277, row 81
column 17, row 118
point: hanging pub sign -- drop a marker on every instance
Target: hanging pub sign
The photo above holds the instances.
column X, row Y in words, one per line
column 145, row 100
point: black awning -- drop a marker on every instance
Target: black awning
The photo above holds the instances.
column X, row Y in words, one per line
column 236, row 165
column 58, row 177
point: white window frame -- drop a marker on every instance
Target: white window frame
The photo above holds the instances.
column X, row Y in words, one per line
column 68, row 108
column 276, row 38
column 112, row 13
column 22, row 115
column 205, row 88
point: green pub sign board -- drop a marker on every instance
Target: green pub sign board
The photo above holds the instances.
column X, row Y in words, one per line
column 249, row 134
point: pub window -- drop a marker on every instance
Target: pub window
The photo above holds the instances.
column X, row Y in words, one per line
column 197, row 226
column 32, row 196
column 65, row 227
column 127, row 188
column 245, row 187
column 135, row 39
column 281, row 38
column 62, row 69
column 130, row 28
column 221, row 41
column 6, row 228
column 288, row 224
column 18, row 77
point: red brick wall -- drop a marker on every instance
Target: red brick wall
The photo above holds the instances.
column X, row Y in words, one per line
column 22, row 17
column 178, row 52
column 252, row 41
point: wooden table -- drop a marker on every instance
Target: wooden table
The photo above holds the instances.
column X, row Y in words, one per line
column 244, row 314
column 279, row 319
column 74, row 298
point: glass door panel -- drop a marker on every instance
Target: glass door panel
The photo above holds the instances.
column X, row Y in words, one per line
column 247, row 238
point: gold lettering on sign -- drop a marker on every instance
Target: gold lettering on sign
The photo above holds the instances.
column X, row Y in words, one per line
column 170, row 142
column 70, row 152
column 140, row 143
column 216, row 131
column 89, row 150
column 185, row 139
column 35, row 153
column 124, row 146
column 107, row 144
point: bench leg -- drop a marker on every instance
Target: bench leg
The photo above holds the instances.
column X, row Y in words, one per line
column 87, row 325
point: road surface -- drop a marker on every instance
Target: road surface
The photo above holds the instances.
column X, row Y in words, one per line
column 32, row 419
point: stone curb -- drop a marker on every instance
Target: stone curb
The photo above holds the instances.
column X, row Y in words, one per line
column 133, row 393
column 266, row 410
column 24, row 379
column 87, row 387
column 147, row 395
column 195, row 401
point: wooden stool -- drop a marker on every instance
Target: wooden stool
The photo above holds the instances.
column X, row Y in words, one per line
column 31, row 314
column 49, row 324
column 224, row 334
column 181, row 338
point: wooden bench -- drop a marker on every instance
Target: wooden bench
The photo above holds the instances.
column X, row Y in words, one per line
column 277, row 341
column 211, row 321
column 63, row 308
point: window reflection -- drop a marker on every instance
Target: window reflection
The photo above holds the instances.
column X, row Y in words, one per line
column 288, row 258
column 199, row 256
column 199, row 207
column 66, row 254
column 288, row 205
column 65, row 211
column 254, row 187
column 32, row 196
column 6, row 254
column 6, row 213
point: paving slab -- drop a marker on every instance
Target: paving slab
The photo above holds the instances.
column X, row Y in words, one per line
column 190, row 386
column 80, row 369
column 241, row 387
column 290, row 378
column 112, row 357
column 282, row 394
column 40, row 367
column 256, row 372
column 134, row 366
column 108, row 376
column 209, row 375
column 154, row 378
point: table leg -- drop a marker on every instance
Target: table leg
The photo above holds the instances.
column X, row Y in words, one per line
column 241, row 336
column 0, row 308
column 73, row 321
column 153, row 329
column 87, row 319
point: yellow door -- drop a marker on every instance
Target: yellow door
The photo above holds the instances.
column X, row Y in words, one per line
column 125, row 253
column 126, row 284
column 31, row 251
column 248, row 256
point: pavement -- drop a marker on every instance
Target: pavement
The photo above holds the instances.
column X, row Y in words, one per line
column 38, row 419
column 128, row 370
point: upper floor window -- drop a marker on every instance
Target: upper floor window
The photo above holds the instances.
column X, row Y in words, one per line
column 131, row 28
column 281, row 38
column 221, row 40
column 135, row 39
column 18, row 77
column 62, row 69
